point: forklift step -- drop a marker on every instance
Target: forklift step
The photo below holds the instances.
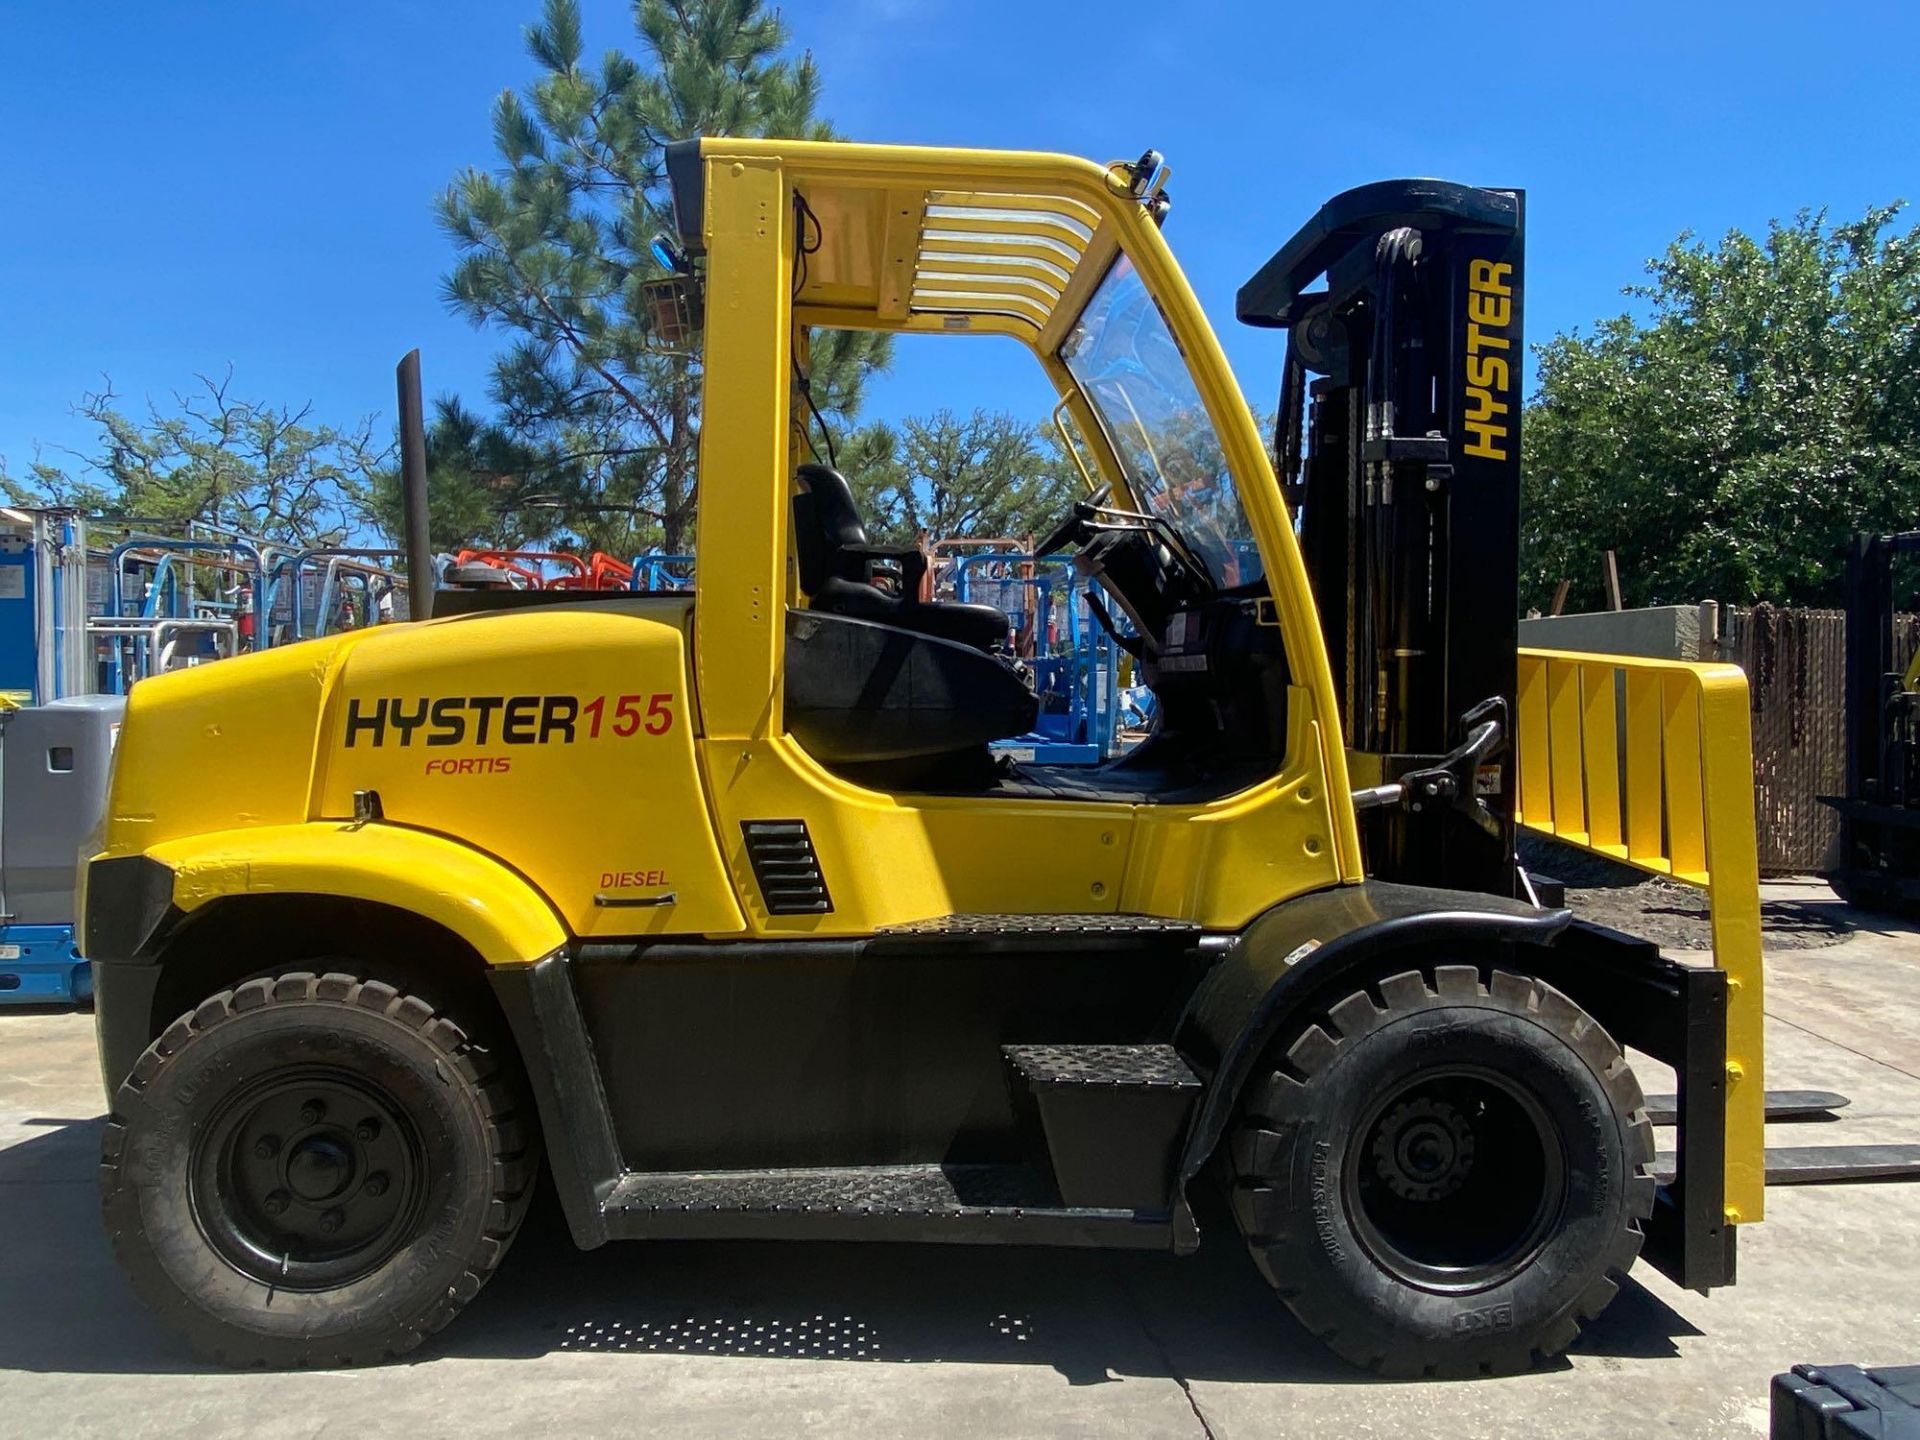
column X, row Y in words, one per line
column 1783, row 1106
column 1144, row 1067
column 985, row 1204
column 918, row 1189
column 1824, row 1164
column 1037, row 932
column 1110, row 1118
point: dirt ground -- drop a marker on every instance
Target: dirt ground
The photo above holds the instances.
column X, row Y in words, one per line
column 1672, row 915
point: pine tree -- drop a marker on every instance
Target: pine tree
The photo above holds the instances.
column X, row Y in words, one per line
column 486, row 486
column 554, row 246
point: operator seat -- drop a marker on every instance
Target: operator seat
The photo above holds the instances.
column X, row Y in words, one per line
column 882, row 679
column 836, row 561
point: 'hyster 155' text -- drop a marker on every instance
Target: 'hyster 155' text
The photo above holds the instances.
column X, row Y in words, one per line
column 505, row 719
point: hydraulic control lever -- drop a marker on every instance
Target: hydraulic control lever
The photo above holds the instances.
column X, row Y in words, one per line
column 1450, row 781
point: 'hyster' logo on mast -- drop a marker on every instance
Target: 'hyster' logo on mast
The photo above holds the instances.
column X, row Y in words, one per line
column 1489, row 361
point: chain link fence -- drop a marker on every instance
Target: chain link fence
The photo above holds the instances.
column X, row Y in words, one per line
column 1796, row 664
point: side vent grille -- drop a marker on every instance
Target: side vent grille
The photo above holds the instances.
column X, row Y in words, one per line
column 785, row 867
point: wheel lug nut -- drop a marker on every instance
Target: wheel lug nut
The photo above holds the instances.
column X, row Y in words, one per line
column 266, row 1147
column 312, row 1112
column 367, row 1129
column 377, row 1183
column 330, row 1221
column 277, row 1203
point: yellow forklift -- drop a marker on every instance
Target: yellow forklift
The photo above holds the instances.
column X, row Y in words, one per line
column 722, row 904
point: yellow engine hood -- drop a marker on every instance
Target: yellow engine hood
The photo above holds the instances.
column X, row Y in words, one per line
column 223, row 746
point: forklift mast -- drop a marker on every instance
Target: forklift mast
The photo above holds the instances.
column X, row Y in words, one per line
column 1400, row 456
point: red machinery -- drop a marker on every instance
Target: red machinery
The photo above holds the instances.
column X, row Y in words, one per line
column 552, row 569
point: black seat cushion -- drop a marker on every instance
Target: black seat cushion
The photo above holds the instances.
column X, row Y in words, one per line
column 980, row 626
column 835, row 559
column 860, row 692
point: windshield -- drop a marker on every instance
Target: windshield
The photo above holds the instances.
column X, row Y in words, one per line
column 1126, row 362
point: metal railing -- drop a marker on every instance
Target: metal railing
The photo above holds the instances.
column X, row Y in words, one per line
column 661, row 573
column 1650, row 762
column 141, row 645
column 290, row 585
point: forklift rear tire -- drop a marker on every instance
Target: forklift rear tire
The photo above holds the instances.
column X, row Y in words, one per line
column 314, row 1170
column 1444, row 1174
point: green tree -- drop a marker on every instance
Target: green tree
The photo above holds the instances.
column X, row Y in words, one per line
column 950, row 478
column 486, row 486
column 553, row 246
column 270, row 471
column 1725, row 446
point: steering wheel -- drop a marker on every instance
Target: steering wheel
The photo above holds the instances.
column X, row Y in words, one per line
column 1069, row 528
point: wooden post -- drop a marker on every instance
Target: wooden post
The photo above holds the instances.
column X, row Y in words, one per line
column 1709, row 630
column 1610, row 567
column 1560, row 597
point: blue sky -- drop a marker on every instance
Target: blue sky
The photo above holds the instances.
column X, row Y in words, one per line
column 193, row 185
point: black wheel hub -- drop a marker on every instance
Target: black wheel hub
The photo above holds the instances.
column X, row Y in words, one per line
column 1423, row 1149
column 1459, row 1178
column 308, row 1180
column 319, row 1168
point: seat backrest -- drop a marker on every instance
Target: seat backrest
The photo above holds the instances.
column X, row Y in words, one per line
column 824, row 519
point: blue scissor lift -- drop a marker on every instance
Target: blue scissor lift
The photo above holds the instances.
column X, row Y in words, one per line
column 161, row 620
column 661, row 574
column 1075, row 663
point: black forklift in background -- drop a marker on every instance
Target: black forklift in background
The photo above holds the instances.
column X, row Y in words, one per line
column 1880, row 813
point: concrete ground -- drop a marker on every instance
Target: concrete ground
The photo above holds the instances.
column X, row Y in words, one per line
column 690, row 1340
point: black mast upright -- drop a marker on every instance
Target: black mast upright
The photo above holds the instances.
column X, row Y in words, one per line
column 1410, row 497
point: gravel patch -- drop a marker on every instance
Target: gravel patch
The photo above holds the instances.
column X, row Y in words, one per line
column 1672, row 915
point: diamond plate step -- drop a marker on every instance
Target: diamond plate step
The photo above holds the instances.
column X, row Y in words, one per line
column 1152, row 1067
column 907, row 1189
column 1038, row 932
column 981, row 1204
column 1110, row 1118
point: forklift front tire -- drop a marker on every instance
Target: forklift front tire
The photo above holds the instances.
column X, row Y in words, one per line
column 314, row 1170
column 1444, row 1174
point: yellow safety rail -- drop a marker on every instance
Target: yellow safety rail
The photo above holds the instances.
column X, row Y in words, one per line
column 1675, row 798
